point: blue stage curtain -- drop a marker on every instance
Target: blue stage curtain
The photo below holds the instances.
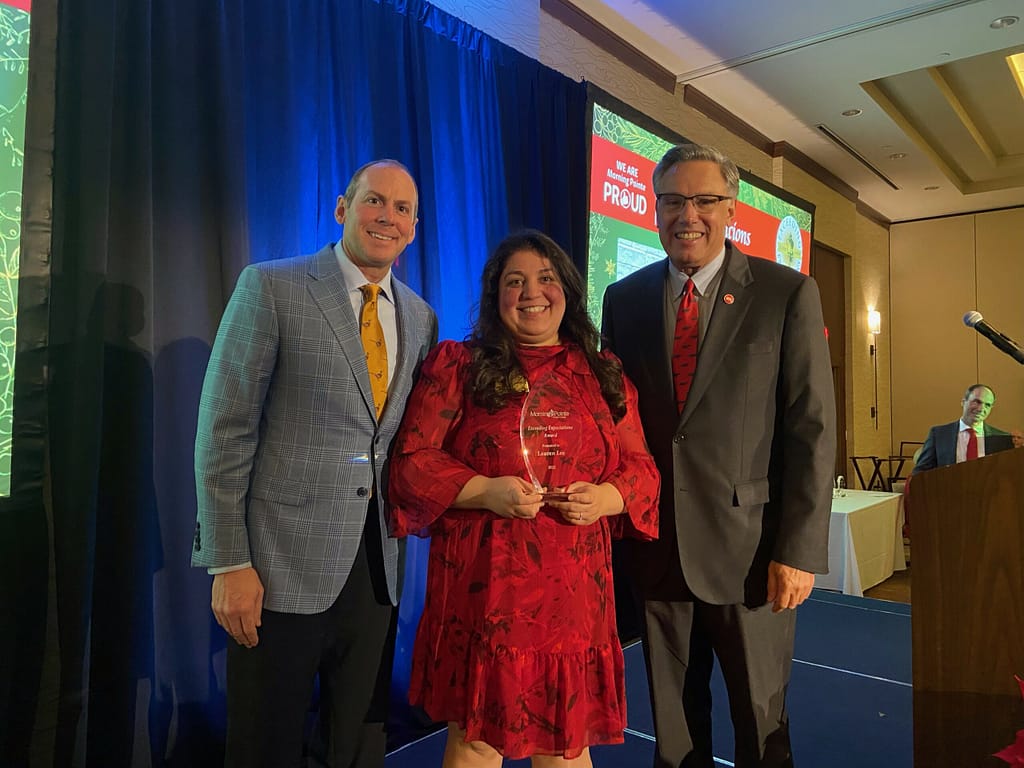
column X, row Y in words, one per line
column 192, row 137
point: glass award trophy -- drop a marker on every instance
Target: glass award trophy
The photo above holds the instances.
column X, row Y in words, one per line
column 549, row 435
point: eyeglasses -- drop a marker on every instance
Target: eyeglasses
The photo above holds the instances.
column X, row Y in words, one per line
column 673, row 203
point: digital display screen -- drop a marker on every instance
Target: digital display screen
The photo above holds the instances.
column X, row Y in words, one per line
column 623, row 234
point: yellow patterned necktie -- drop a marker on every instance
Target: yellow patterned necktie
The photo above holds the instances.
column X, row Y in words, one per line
column 372, row 334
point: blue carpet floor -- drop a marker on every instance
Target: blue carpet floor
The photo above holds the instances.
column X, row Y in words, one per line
column 849, row 697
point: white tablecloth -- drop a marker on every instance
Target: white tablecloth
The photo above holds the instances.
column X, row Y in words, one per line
column 865, row 542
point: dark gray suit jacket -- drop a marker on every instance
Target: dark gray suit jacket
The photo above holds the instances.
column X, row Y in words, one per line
column 747, row 468
column 288, row 445
column 939, row 448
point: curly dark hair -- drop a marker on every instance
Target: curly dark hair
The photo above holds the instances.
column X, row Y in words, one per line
column 495, row 370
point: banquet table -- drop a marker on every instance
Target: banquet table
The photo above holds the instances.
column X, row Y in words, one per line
column 865, row 542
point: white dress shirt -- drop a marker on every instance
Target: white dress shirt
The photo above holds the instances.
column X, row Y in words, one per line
column 354, row 279
column 705, row 285
column 961, row 440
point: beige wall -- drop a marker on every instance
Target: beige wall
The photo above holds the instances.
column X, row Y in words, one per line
column 837, row 223
column 942, row 268
column 999, row 266
column 868, row 287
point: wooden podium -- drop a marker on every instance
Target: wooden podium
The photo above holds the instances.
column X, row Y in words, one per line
column 967, row 582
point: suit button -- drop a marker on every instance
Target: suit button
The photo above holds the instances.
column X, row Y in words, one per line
column 362, row 491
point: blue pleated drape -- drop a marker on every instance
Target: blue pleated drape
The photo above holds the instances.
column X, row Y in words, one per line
column 192, row 137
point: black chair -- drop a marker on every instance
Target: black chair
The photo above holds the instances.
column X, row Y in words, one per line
column 900, row 466
column 873, row 465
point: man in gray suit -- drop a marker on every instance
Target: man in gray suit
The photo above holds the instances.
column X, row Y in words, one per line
column 291, row 468
column 741, row 423
column 952, row 443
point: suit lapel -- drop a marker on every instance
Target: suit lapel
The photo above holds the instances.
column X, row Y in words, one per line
column 726, row 319
column 409, row 323
column 327, row 287
column 949, row 444
column 648, row 312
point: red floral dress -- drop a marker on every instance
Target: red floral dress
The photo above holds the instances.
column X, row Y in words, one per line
column 517, row 642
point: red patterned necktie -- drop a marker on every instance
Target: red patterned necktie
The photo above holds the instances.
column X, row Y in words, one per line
column 684, row 345
column 972, row 444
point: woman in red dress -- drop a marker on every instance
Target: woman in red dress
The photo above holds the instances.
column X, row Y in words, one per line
column 517, row 649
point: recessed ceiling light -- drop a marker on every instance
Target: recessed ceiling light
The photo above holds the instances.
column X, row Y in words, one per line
column 851, row 112
column 897, row 155
column 931, row 188
column 1003, row 22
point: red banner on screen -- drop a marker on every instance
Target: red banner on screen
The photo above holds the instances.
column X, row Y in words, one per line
column 620, row 184
column 24, row 5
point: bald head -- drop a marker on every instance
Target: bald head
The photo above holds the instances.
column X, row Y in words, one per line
column 977, row 404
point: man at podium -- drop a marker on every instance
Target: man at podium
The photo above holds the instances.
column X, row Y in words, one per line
column 966, row 439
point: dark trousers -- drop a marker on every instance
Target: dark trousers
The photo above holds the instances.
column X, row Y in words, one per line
column 754, row 649
column 350, row 646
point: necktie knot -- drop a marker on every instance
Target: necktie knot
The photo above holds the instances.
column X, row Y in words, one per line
column 370, row 292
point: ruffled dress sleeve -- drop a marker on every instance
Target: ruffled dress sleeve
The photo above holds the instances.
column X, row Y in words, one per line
column 636, row 478
column 424, row 478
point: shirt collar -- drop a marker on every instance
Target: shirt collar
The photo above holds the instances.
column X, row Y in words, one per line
column 980, row 429
column 702, row 278
column 354, row 279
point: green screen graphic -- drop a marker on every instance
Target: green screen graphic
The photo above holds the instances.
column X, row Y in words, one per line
column 621, row 131
column 14, row 38
column 772, row 205
column 617, row 247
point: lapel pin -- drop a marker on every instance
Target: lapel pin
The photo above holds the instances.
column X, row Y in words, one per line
column 728, row 298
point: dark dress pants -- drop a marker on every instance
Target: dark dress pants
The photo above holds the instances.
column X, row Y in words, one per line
column 682, row 635
column 350, row 646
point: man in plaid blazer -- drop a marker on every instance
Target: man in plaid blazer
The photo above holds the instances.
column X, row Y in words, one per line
column 291, row 468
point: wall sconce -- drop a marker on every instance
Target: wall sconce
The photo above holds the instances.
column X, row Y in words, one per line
column 874, row 321
column 875, row 328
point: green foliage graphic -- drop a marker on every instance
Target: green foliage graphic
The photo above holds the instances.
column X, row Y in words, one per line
column 773, row 205
column 621, row 131
column 600, row 263
column 14, row 33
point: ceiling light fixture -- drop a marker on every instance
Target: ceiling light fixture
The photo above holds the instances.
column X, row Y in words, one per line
column 851, row 112
column 1003, row 22
column 931, row 188
column 897, row 155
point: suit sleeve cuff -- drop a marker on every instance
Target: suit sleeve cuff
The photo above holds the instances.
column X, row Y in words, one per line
column 228, row 568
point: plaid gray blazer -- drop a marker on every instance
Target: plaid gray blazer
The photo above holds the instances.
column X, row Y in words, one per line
column 288, row 445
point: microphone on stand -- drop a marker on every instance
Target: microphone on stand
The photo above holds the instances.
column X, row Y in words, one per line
column 1002, row 342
